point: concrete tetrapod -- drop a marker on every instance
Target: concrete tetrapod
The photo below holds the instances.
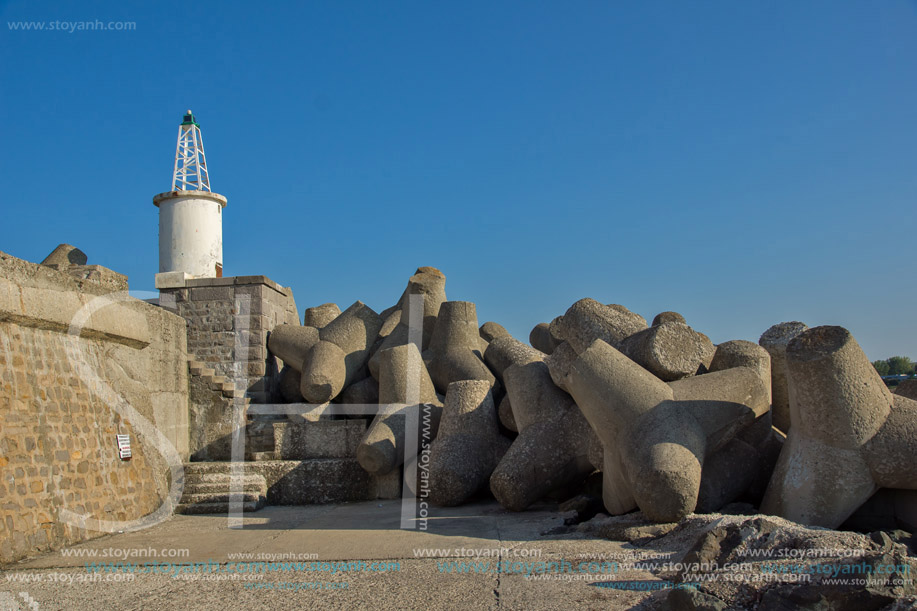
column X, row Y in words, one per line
column 668, row 317
column 65, row 255
column 342, row 350
column 404, row 385
column 391, row 322
column 292, row 343
column 288, row 387
column 490, row 331
column 848, row 434
column 455, row 347
column 727, row 474
column 552, row 448
column 363, row 392
column 559, row 363
column 429, row 283
column 588, row 320
column 505, row 415
column 745, row 464
column 775, row 341
column 670, row 350
column 656, row 435
column 468, row 445
column 742, row 353
column 320, row 316
column 738, row 441
column 504, row 352
column 541, row 339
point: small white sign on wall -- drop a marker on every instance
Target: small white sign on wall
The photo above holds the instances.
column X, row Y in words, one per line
column 124, row 447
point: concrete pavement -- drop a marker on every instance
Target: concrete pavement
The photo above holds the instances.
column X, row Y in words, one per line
column 350, row 555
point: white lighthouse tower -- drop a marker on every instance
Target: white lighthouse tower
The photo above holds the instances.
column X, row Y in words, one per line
column 190, row 215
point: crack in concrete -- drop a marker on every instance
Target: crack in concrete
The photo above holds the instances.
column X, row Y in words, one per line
column 497, row 591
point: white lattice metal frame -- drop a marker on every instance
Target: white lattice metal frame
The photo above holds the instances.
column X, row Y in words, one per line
column 190, row 162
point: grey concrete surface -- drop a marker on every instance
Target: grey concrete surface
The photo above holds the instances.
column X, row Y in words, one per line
column 366, row 532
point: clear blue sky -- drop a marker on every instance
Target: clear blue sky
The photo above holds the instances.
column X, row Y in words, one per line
column 743, row 163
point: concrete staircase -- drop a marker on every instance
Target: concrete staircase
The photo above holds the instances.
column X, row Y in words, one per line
column 295, row 454
column 207, row 489
column 217, row 383
column 214, row 402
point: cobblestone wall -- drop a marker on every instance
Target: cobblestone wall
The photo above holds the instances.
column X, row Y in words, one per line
column 64, row 397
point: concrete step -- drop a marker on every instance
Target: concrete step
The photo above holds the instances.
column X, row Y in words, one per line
column 196, row 367
column 215, row 497
column 195, row 479
column 301, row 482
column 206, row 487
column 199, row 473
column 200, row 368
column 254, row 456
column 210, row 466
column 199, row 508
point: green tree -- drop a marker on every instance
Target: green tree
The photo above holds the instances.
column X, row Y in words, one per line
column 898, row 365
column 881, row 367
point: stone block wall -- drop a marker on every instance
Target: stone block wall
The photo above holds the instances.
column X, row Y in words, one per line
column 228, row 322
column 72, row 376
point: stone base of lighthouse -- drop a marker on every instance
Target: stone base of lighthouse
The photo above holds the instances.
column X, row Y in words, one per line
column 228, row 323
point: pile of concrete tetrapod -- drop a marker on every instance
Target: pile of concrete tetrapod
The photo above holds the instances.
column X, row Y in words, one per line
column 674, row 423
